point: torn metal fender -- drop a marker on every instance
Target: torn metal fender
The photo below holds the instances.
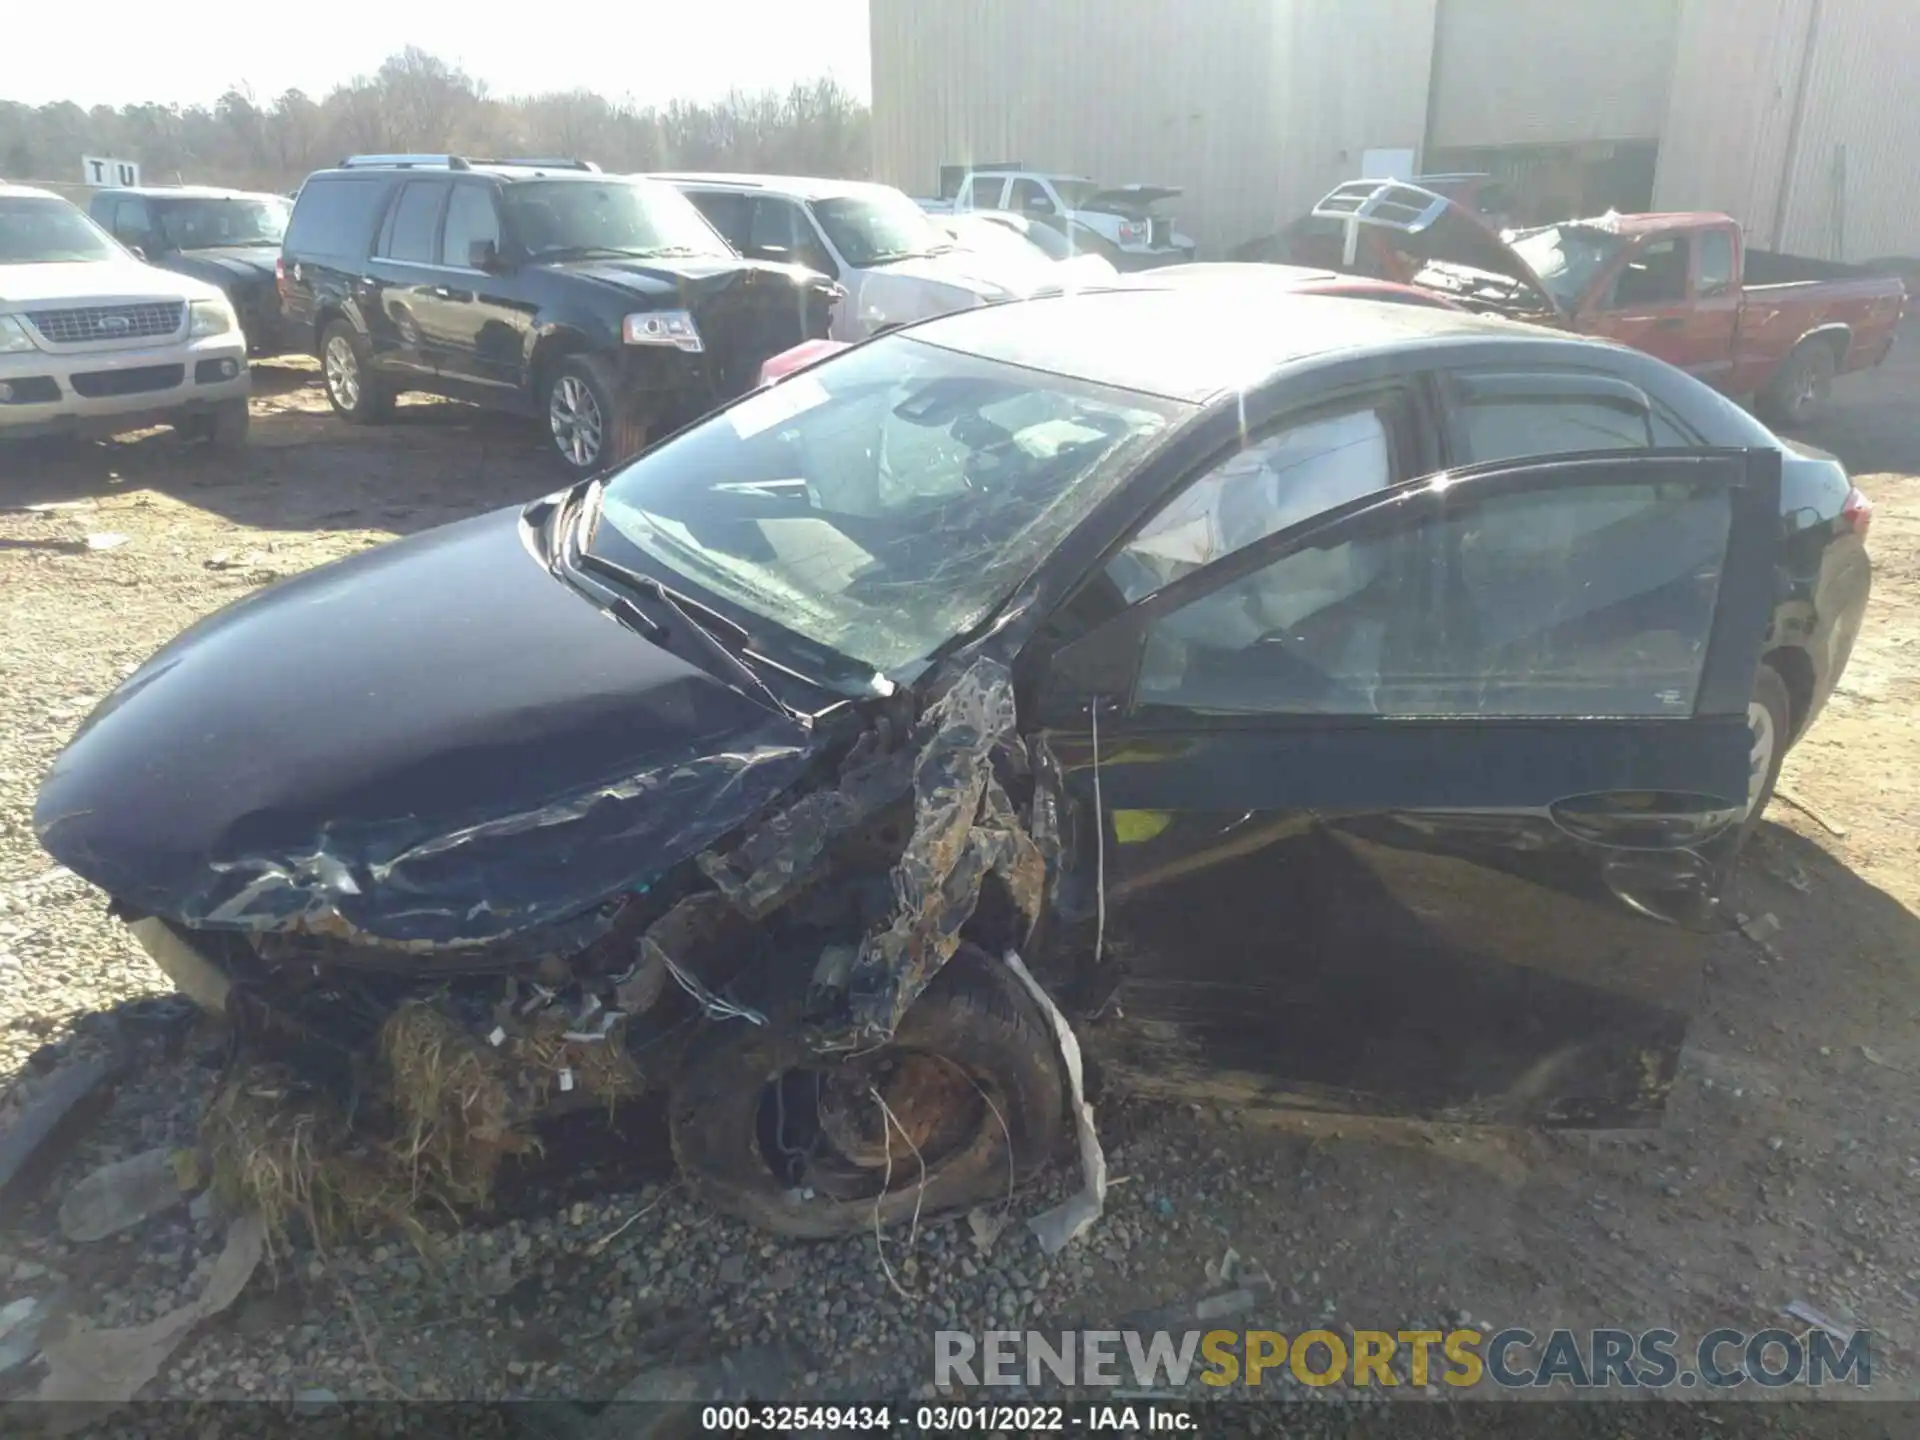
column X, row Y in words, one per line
column 964, row 827
column 509, row 874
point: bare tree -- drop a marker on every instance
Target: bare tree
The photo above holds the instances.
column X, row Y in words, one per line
column 417, row 101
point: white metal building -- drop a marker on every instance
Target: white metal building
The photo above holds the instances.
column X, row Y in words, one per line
column 1788, row 113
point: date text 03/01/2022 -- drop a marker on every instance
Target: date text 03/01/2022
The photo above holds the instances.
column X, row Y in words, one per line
column 939, row 1419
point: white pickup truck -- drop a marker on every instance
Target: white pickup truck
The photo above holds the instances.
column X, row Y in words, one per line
column 1121, row 215
column 93, row 341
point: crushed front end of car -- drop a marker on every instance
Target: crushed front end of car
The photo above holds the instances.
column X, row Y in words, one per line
column 409, row 1009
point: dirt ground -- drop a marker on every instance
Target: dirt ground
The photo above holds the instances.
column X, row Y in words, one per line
column 1787, row 1170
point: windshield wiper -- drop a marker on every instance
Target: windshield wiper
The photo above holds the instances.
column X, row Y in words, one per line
column 684, row 610
column 889, row 257
column 589, row 252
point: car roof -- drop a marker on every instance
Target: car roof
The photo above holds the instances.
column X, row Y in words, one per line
column 511, row 172
column 1193, row 342
column 188, row 192
column 1660, row 220
column 1035, row 174
column 9, row 191
column 802, row 187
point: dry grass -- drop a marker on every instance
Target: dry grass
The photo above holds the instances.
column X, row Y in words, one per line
column 449, row 1110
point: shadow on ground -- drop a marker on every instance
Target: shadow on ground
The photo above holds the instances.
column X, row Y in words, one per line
column 304, row 467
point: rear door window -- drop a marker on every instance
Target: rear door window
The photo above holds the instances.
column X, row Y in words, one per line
column 728, row 212
column 336, row 215
column 413, row 233
column 1517, row 428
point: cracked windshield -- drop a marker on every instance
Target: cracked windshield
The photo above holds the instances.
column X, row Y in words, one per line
column 887, row 504
column 956, row 716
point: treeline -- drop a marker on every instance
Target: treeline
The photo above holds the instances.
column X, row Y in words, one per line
column 418, row 102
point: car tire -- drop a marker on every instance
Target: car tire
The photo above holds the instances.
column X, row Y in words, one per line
column 223, row 429
column 974, row 1039
column 1800, row 389
column 346, row 373
column 590, row 423
column 1770, row 723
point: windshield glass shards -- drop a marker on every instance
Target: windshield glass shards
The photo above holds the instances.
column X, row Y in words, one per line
column 886, row 501
column 1567, row 257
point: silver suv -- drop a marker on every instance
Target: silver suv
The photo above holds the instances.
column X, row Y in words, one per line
column 92, row 341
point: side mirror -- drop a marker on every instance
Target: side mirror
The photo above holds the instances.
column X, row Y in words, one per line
column 483, row 255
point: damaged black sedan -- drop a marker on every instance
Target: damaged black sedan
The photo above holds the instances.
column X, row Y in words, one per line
column 1146, row 658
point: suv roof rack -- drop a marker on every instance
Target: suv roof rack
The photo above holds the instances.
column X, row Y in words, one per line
column 536, row 162
column 462, row 162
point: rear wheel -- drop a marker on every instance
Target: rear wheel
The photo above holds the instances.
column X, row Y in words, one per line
column 965, row 1099
column 1800, row 390
column 345, row 367
column 1769, row 725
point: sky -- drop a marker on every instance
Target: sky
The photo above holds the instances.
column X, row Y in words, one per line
column 127, row 51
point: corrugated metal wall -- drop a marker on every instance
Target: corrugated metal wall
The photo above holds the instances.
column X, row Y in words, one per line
column 1841, row 182
column 1158, row 91
column 1255, row 107
column 1348, row 77
column 1730, row 107
column 1551, row 72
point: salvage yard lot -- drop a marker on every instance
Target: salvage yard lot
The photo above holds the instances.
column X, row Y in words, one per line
column 1783, row 1174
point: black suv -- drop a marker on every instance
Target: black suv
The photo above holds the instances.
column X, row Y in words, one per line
column 230, row 238
column 604, row 303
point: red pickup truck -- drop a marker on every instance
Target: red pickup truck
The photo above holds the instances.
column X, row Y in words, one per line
column 1684, row 287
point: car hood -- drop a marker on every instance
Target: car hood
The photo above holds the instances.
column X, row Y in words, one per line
column 227, row 262
column 986, row 277
column 96, row 281
column 689, row 276
column 435, row 741
column 1431, row 228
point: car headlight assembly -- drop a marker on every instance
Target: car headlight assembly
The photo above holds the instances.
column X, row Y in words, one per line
column 13, row 336
column 663, row 327
column 211, row 317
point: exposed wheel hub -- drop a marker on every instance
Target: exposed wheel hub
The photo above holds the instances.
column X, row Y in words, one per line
column 931, row 1108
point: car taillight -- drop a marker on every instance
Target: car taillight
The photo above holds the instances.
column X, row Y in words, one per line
column 280, row 275
column 1857, row 513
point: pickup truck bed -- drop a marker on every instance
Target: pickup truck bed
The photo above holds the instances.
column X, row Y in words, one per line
column 1683, row 287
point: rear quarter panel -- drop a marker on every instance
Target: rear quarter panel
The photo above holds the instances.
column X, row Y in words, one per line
column 1776, row 318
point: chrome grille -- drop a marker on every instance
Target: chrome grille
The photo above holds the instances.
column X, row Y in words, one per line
column 95, row 323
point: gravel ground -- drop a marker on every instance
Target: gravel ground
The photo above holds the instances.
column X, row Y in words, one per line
column 1786, row 1170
